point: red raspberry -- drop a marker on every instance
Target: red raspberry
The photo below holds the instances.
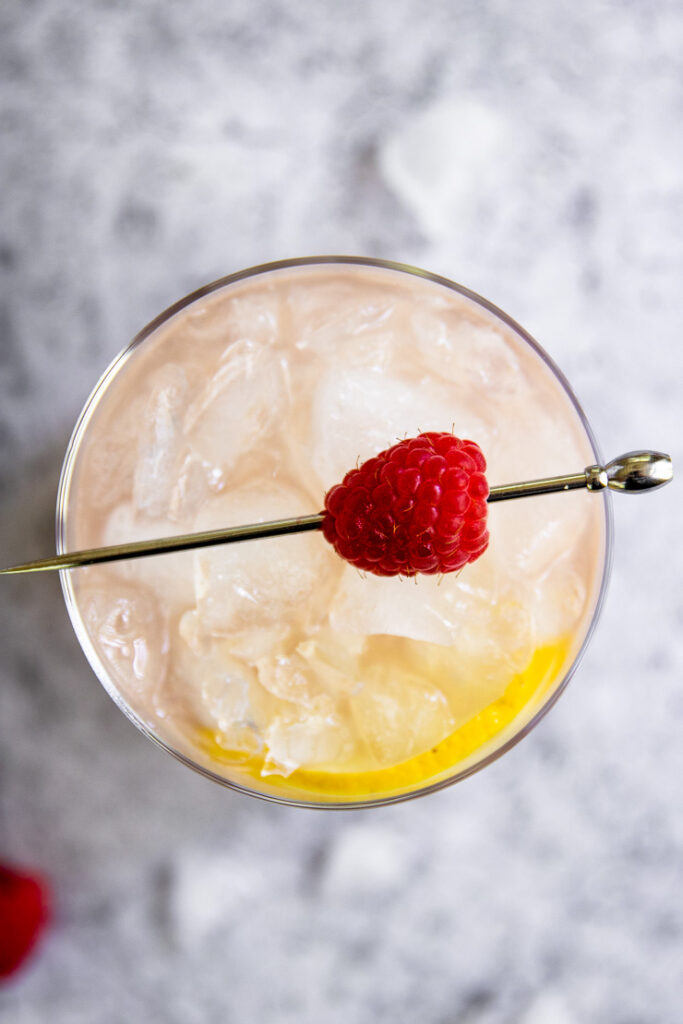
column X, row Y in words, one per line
column 419, row 506
column 23, row 915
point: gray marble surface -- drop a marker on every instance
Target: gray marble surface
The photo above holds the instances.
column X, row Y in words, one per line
column 532, row 151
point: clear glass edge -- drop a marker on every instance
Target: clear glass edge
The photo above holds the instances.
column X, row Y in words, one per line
column 66, row 477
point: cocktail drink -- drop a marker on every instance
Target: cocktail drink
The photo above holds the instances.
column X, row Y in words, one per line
column 273, row 666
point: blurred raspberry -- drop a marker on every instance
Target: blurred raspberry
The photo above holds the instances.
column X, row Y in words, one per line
column 24, row 911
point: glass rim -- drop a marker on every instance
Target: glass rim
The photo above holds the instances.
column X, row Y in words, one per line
column 66, row 477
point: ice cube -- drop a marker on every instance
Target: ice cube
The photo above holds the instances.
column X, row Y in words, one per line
column 366, row 605
column 222, row 690
column 249, row 646
column 335, row 659
column 129, row 630
column 340, row 319
column 468, row 682
column 492, row 640
column 262, row 583
column 399, row 715
column 489, row 613
column 537, row 532
column 306, row 740
column 244, row 399
column 169, row 576
column 108, row 465
column 222, row 318
column 225, row 694
column 189, row 630
column 195, row 483
column 473, row 629
column 254, row 316
column 160, row 443
column 357, row 413
column 557, row 437
column 468, row 633
column 475, row 356
column 560, row 599
column 291, row 679
column 253, row 644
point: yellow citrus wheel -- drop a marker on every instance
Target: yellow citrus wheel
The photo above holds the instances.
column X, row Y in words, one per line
column 536, row 679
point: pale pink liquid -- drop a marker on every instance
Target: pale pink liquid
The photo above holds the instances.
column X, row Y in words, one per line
column 248, row 405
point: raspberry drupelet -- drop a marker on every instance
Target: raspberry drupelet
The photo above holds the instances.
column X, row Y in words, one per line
column 419, row 506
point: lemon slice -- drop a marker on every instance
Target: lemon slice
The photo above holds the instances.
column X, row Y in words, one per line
column 429, row 767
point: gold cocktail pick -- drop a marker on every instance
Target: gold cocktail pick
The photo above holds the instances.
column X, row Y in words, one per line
column 632, row 472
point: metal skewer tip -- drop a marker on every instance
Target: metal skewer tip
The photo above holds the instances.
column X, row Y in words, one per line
column 632, row 472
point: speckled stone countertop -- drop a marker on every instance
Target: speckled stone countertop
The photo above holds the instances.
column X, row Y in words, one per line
column 533, row 152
